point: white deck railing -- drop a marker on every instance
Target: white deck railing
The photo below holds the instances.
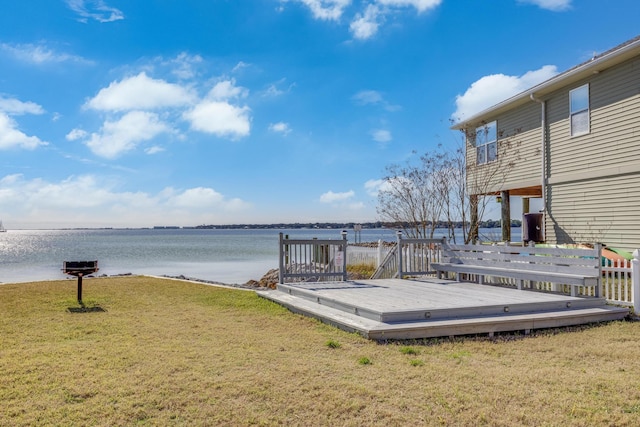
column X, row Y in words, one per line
column 618, row 285
column 413, row 258
column 312, row 259
column 321, row 260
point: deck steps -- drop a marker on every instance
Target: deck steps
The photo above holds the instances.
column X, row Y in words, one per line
column 405, row 309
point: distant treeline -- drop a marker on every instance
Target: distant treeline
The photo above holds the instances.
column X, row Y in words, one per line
column 346, row 225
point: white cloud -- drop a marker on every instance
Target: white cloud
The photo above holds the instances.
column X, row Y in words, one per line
column 554, row 5
column 17, row 107
column 183, row 65
column 125, row 134
column 420, row 5
column 196, row 197
column 94, row 9
column 492, row 89
column 240, row 66
column 103, row 203
column 226, row 90
column 373, row 97
column 40, row 54
column 365, row 25
column 203, row 198
column 140, row 92
column 331, row 197
column 220, row 118
column 327, row 10
column 280, row 127
column 365, row 97
column 381, row 135
column 374, row 186
column 274, row 88
column 12, row 137
column 154, row 150
column 76, row 134
column 216, row 113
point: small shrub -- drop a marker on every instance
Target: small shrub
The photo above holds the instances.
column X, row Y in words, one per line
column 333, row 344
column 408, row 350
column 364, row 361
column 416, row 362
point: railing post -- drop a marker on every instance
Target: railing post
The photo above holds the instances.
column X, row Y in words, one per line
column 344, row 255
column 399, row 237
column 380, row 256
column 635, row 281
column 281, row 259
column 598, row 290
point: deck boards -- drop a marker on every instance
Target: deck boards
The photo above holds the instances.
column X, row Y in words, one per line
column 400, row 308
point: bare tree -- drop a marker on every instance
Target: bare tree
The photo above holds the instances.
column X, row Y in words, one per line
column 409, row 196
column 445, row 186
column 472, row 185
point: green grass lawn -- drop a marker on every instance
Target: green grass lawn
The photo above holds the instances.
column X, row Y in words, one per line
column 174, row 353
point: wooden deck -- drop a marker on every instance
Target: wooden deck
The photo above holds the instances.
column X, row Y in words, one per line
column 404, row 309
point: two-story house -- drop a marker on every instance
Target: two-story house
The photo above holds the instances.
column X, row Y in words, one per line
column 573, row 142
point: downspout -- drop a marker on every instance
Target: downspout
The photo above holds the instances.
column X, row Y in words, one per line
column 543, row 125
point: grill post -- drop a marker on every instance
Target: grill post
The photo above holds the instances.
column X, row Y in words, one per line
column 79, row 269
column 80, row 289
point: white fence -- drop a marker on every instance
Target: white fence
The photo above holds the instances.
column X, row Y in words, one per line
column 621, row 282
column 372, row 254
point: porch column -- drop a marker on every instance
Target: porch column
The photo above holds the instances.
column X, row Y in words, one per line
column 473, row 208
column 526, row 206
column 506, row 216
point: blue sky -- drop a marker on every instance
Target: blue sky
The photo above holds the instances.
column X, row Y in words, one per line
column 121, row 113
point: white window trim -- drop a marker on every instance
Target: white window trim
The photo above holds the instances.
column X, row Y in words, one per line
column 587, row 110
column 486, row 143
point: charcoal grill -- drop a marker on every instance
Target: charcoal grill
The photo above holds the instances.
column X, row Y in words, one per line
column 79, row 269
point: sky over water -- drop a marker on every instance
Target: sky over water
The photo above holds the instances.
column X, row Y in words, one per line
column 119, row 113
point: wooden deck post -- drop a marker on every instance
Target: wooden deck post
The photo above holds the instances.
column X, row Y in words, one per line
column 345, row 275
column 399, row 237
column 281, row 260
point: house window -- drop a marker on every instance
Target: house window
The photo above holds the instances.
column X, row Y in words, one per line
column 486, row 143
column 579, row 105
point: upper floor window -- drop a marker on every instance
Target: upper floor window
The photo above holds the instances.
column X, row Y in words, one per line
column 579, row 106
column 486, row 143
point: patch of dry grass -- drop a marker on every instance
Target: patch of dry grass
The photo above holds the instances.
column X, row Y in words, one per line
column 361, row 270
column 174, row 353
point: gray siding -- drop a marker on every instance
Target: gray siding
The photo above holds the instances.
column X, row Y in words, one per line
column 615, row 124
column 521, row 142
column 602, row 210
column 594, row 192
column 519, row 161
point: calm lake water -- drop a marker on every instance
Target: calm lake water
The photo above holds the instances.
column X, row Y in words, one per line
column 228, row 256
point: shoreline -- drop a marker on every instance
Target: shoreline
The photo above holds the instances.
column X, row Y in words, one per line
column 250, row 285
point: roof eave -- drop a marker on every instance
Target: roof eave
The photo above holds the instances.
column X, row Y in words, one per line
column 567, row 78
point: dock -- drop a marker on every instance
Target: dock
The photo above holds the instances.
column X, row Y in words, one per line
column 384, row 309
